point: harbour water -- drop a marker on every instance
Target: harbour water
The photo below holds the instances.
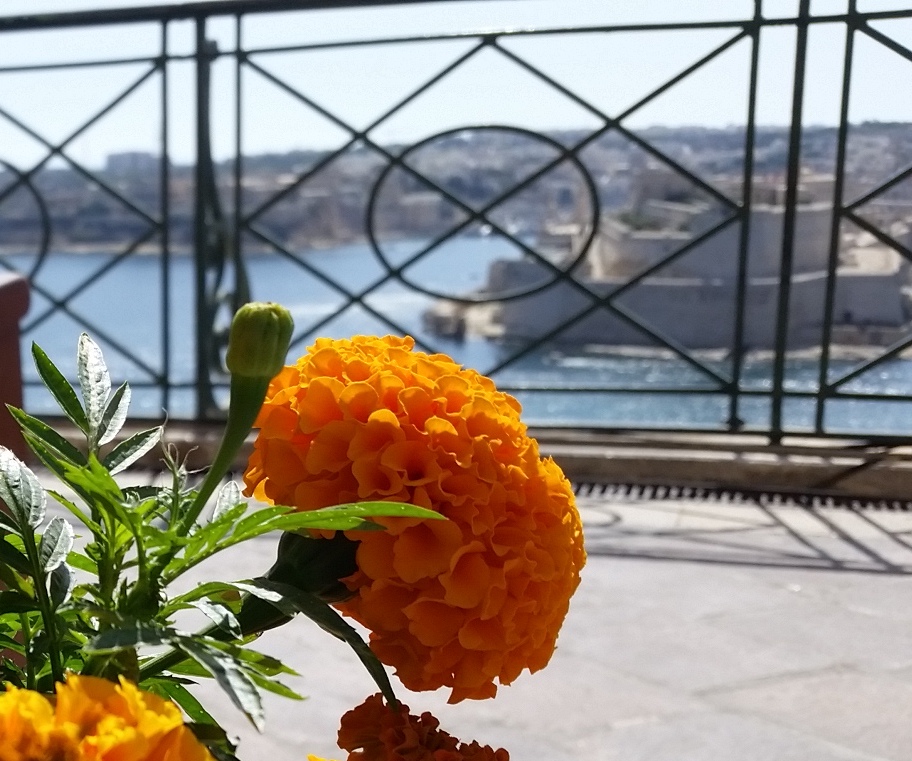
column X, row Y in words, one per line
column 121, row 303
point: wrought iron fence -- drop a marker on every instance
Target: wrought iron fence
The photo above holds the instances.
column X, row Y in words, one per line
column 611, row 275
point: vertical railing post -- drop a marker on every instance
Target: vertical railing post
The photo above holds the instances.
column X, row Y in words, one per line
column 789, row 221
column 205, row 228
column 836, row 221
column 735, row 421
column 221, row 280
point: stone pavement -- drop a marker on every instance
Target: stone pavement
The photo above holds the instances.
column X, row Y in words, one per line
column 700, row 632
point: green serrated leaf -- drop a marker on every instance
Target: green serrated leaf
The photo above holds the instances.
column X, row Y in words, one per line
column 95, row 383
column 290, row 600
column 168, row 687
column 60, row 388
column 112, row 640
column 82, row 563
column 57, row 466
column 211, row 589
column 21, row 490
column 340, row 518
column 141, row 492
column 274, row 686
column 190, row 667
column 255, row 661
column 8, row 643
column 77, row 512
column 379, row 509
column 220, row 615
column 131, row 449
column 230, row 676
column 7, row 522
column 17, row 602
column 115, row 414
column 53, row 441
column 248, row 525
column 14, row 558
column 56, row 542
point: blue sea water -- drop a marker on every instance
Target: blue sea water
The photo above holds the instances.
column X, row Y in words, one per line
column 121, row 303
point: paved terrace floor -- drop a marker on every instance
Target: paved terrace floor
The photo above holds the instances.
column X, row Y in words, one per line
column 701, row 632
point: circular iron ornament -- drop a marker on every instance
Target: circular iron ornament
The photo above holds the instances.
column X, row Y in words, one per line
column 44, row 244
column 398, row 271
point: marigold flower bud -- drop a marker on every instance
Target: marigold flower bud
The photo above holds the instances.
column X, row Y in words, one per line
column 258, row 341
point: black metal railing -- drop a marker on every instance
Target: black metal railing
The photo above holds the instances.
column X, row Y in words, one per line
column 599, row 271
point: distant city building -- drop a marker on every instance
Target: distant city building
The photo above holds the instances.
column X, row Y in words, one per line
column 692, row 298
column 132, row 162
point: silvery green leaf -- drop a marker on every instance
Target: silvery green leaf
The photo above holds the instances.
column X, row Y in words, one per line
column 131, row 449
column 60, row 585
column 231, row 678
column 115, row 414
column 56, row 543
column 94, row 381
column 220, row 615
column 21, row 491
column 229, row 496
column 112, row 640
column 60, row 388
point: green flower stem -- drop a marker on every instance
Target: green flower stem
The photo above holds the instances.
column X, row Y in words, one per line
column 26, row 629
column 247, row 394
column 44, row 605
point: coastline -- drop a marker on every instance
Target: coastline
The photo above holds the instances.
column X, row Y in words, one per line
column 147, row 249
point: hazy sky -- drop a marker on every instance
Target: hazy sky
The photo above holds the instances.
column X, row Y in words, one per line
column 613, row 71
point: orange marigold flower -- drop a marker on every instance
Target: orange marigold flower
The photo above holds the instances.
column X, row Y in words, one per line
column 375, row 732
column 460, row 603
column 93, row 718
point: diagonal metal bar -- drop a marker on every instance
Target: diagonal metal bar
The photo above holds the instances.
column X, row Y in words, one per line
column 896, row 179
column 883, row 237
column 615, row 123
column 893, row 351
column 887, row 42
column 58, row 149
column 356, row 134
column 353, row 299
column 91, row 279
column 677, row 254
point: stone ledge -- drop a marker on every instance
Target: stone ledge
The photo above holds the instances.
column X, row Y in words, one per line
column 846, row 466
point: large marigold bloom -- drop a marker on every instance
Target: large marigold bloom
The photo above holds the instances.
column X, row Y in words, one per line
column 375, row 732
column 93, row 719
column 459, row 603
